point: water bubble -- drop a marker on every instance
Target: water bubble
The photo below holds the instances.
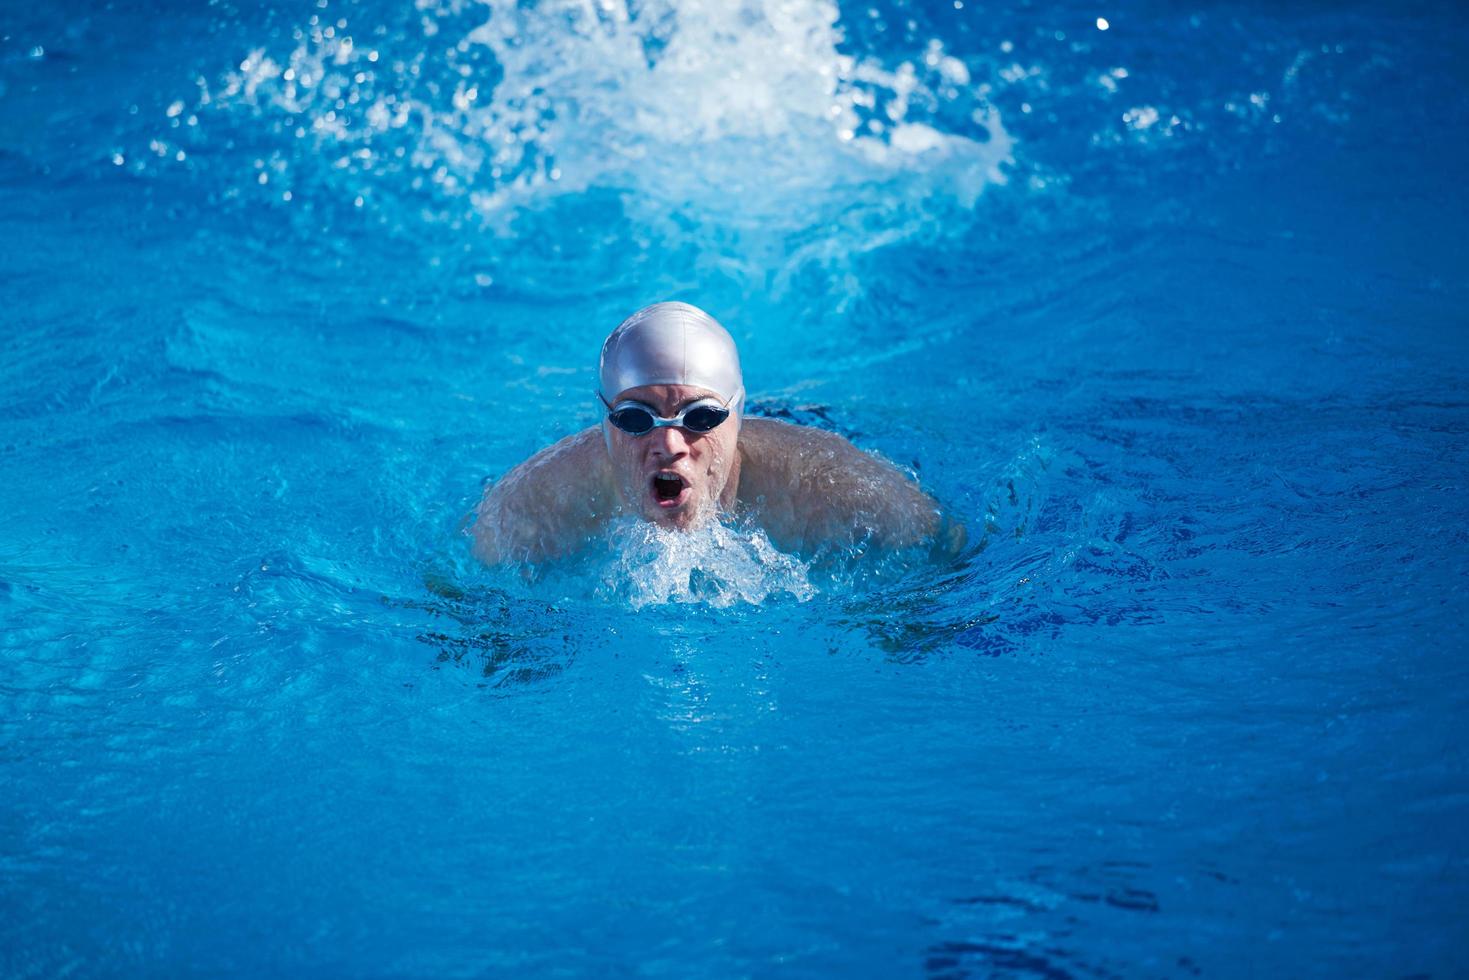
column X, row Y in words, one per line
column 1140, row 117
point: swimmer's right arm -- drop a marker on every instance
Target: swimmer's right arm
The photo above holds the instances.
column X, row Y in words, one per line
column 545, row 506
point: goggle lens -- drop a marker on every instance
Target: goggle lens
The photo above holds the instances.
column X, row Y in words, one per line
column 633, row 421
column 705, row 418
column 638, row 421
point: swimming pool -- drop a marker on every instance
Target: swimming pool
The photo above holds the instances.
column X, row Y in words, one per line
column 1166, row 304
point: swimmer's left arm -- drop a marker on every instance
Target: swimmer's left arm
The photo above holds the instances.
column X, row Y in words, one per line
column 880, row 502
column 835, row 492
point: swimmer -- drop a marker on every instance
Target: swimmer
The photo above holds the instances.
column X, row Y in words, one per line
column 674, row 448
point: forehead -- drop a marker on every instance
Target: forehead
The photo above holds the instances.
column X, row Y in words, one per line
column 668, row 399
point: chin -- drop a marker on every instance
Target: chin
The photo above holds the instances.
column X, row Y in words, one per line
column 688, row 515
column 683, row 519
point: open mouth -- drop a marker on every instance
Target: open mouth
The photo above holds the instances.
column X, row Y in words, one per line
column 669, row 489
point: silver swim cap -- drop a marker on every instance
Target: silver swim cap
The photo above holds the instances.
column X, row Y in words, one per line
column 671, row 344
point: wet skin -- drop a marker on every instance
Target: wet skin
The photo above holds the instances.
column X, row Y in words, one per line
column 809, row 489
column 702, row 467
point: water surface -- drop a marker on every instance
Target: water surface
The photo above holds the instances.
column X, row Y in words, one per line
column 1170, row 314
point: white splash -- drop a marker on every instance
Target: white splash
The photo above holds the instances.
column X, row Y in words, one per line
column 749, row 106
column 715, row 565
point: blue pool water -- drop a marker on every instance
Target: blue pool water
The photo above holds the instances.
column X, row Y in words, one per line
column 1171, row 314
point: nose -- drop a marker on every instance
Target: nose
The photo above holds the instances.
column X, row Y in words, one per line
column 668, row 442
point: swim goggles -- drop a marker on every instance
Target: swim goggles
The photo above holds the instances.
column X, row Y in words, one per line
column 637, row 419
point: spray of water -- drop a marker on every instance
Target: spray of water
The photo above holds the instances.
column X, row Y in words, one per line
column 716, row 565
column 750, row 110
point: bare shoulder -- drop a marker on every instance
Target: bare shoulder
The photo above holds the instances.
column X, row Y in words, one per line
column 811, row 487
column 546, row 505
column 784, row 451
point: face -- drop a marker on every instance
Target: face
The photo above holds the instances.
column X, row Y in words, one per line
column 672, row 476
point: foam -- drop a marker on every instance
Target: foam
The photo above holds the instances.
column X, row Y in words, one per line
column 716, row 565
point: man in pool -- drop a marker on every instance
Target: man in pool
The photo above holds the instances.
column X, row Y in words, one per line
column 675, row 449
